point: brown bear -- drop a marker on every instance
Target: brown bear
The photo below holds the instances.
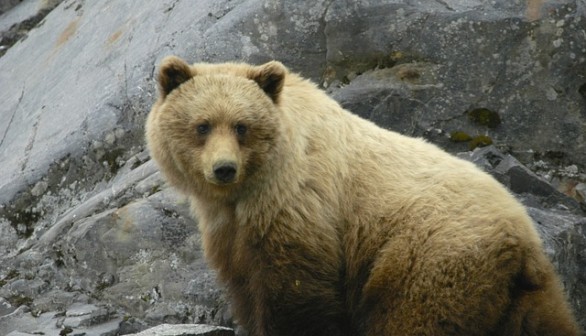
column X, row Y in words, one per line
column 321, row 223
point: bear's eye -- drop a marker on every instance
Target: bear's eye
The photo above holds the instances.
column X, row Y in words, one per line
column 240, row 129
column 203, row 129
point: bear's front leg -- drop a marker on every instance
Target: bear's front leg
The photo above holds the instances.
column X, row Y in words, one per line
column 292, row 289
column 297, row 302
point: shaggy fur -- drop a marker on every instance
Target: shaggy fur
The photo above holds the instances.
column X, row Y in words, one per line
column 321, row 223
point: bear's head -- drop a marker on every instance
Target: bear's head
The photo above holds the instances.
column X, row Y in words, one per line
column 214, row 125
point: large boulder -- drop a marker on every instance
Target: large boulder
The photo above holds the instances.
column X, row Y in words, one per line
column 508, row 70
column 90, row 233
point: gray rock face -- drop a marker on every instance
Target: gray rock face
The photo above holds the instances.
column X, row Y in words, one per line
column 450, row 59
column 91, row 239
column 85, row 319
column 132, row 246
column 7, row 4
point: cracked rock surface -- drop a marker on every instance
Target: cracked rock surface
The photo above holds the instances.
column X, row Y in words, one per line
column 92, row 240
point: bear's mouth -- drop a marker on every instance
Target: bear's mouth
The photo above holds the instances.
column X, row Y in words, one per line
column 217, row 182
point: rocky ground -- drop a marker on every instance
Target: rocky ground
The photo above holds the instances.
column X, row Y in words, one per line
column 91, row 239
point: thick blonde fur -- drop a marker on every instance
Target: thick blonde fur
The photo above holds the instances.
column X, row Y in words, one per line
column 329, row 225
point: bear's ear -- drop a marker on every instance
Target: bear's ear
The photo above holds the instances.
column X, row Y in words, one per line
column 172, row 73
column 270, row 77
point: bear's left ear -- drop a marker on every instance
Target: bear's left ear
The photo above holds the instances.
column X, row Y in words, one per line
column 270, row 77
column 173, row 72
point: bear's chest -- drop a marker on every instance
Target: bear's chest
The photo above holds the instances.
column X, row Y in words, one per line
column 288, row 276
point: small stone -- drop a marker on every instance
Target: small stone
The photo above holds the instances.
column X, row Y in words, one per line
column 39, row 188
column 572, row 169
column 119, row 133
column 186, row 329
column 97, row 144
column 80, row 310
column 85, row 315
column 551, row 94
column 581, row 191
column 110, row 139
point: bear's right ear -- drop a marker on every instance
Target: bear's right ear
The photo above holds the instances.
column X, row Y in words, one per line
column 172, row 73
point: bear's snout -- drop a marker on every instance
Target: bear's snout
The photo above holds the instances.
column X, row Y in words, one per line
column 225, row 171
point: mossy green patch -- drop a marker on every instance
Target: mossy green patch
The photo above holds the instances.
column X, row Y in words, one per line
column 26, row 218
column 20, row 300
column 9, row 276
column 479, row 141
column 100, row 286
column 459, row 136
column 484, row 117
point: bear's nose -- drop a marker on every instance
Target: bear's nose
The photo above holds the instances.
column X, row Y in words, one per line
column 225, row 171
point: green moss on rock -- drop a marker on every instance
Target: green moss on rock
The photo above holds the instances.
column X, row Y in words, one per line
column 479, row 141
column 20, row 300
column 484, row 117
column 459, row 136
